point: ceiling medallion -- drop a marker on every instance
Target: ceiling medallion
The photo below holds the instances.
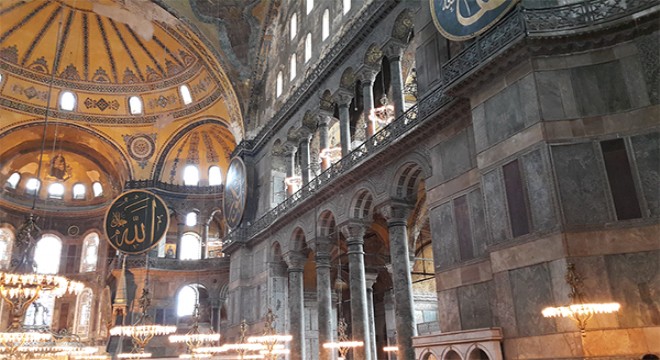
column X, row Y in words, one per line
column 141, row 147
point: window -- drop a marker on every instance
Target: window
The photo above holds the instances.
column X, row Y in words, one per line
column 325, row 25
column 463, row 228
column 32, row 186
column 6, row 245
column 190, row 175
column 67, row 101
column 40, row 313
column 90, row 252
column 293, row 27
column 56, row 191
column 135, row 105
column 191, row 246
column 515, row 196
column 78, row 191
column 310, row 6
column 191, row 219
column 292, row 69
column 13, row 180
column 83, row 313
column 347, row 6
column 278, row 85
column 619, row 176
column 186, row 300
column 47, row 254
column 308, row 47
column 185, row 94
column 215, row 176
column 97, row 188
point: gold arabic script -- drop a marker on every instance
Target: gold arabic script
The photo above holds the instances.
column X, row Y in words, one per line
column 474, row 10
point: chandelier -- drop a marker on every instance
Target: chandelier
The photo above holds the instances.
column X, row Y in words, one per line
column 143, row 330
column 194, row 339
column 242, row 348
column 579, row 311
column 344, row 345
column 271, row 341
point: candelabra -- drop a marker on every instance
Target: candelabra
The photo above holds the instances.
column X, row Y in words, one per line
column 194, row 339
column 579, row 311
column 271, row 341
column 344, row 345
column 242, row 347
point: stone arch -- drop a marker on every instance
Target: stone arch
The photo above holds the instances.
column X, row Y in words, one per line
column 476, row 352
column 410, row 171
column 326, row 102
column 362, row 204
column 403, row 26
column 326, row 223
column 428, row 354
column 451, row 354
column 298, row 240
column 275, row 253
column 348, row 79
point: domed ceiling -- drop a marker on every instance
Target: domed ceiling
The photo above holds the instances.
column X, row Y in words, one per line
column 107, row 55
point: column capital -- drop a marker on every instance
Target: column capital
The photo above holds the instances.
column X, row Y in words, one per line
column 321, row 245
column 324, row 117
column 310, row 122
column 289, row 147
column 304, row 134
column 367, row 74
column 295, row 260
column 343, row 97
column 370, row 279
column 394, row 49
column 395, row 211
column 354, row 230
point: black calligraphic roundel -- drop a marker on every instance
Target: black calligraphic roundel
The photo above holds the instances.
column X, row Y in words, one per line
column 235, row 193
column 464, row 19
column 136, row 221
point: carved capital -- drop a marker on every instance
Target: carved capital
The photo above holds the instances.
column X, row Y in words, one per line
column 370, row 279
column 310, row 122
column 354, row 231
column 395, row 212
column 304, row 135
column 295, row 260
column 394, row 49
column 322, row 245
column 343, row 97
column 367, row 74
column 290, row 146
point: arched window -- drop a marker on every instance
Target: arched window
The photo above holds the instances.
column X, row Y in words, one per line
column 215, row 176
column 186, row 300
column 78, row 191
column 325, row 25
column 97, row 188
column 56, row 191
column 67, row 101
column 347, row 6
column 47, row 254
column 13, row 180
column 191, row 219
column 40, row 313
column 292, row 69
column 32, row 186
column 310, row 6
column 83, row 313
column 293, row 28
column 90, row 253
column 190, row 175
column 278, row 85
column 191, row 246
column 185, row 94
column 6, row 245
column 308, row 47
column 135, row 105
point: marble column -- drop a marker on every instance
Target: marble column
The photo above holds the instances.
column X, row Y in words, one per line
column 290, row 159
column 394, row 51
column 324, row 296
column 354, row 233
column 305, row 138
column 296, row 262
column 205, row 240
column 396, row 213
column 324, row 141
column 179, row 233
column 367, row 76
column 343, row 99
column 370, row 280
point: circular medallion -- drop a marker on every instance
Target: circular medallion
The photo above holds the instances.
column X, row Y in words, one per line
column 73, row 230
column 464, row 19
column 136, row 221
column 141, row 147
column 235, row 193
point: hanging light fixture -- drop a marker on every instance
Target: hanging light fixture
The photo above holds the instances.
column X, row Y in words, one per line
column 194, row 339
column 242, row 348
column 272, row 342
column 579, row 311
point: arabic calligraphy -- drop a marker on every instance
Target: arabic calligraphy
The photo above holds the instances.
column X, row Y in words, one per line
column 136, row 221
column 463, row 19
column 235, row 192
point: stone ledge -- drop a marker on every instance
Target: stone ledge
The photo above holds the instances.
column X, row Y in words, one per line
column 465, row 275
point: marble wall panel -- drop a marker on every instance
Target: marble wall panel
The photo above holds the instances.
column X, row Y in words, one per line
column 503, row 115
column 443, row 230
column 539, row 191
column 448, row 311
column 532, row 291
column 649, row 46
column 456, row 155
column 582, row 186
column 635, row 284
column 474, row 305
column 598, row 89
column 478, row 222
column 496, row 211
column 504, row 314
column 646, row 149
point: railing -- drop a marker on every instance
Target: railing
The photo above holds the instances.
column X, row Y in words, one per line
column 181, row 189
column 169, row 264
column 515, row 27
